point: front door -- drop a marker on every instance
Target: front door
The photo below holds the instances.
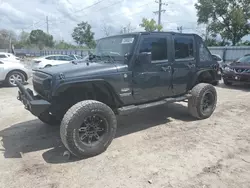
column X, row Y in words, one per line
column 151, row 81
column 184, row 62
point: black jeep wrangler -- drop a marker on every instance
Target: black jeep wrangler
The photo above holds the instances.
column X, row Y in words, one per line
column 126, row 73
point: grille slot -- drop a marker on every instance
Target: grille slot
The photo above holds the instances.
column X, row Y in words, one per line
column 38, row 86
column 241, row 70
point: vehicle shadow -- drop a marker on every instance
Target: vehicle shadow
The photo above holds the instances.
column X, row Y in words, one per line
column 31, row 136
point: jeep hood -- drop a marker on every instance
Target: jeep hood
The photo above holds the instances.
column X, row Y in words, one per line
column 70, row 70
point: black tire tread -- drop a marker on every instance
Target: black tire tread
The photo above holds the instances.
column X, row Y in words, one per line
column 196, row 93
column 77, row 110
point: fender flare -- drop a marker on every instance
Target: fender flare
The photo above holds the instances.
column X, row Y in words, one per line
column 198, row 73
column 64, row 86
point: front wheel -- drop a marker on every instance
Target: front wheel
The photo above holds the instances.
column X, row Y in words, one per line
column 203, row 101
column 88, row 128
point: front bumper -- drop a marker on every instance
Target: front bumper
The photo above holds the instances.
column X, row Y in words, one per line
column 240, row 78
column 32, row 103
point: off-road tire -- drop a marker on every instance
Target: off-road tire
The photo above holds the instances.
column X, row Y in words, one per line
column 18, row 74
column 72, row 121
column 49, row 119
column 227, row 83
column 195, row 101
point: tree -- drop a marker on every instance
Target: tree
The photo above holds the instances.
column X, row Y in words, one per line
column 83, row 35
column 229, row 18
column 106, row 29
column 127, row 29
column 5, row 37
column 23, row 40
column 40, row 38
column 150, row 25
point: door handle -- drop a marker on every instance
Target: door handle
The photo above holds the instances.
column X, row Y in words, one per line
column 168, row 68
column 191, row 65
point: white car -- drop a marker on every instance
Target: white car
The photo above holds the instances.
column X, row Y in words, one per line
column 51, row 60
column 9, row 57
column 12, row 71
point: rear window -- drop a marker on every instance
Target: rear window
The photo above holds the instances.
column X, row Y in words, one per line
column 2, row 56
column 184, row 47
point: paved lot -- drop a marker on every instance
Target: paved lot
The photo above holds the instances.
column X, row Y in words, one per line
column 160, row 147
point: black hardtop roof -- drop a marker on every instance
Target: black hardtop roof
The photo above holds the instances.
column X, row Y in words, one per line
column 152, row 32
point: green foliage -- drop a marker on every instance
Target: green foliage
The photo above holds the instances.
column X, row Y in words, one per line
column 23, row 40
column 214, row 42
column 150, row 25
column 64, row 45
column 83, row 35
column 5, row 36
column 229, row 18
column 41, row 39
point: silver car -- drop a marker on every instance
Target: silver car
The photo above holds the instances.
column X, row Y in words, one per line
column 11, row 71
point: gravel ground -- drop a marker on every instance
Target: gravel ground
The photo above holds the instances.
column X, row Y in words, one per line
column 159, row 147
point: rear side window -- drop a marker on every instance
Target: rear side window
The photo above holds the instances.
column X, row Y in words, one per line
column 184, row 47
column 204, row 53
column 65, row 58
column 50, row 58
column 2, row 56
column 157, row 46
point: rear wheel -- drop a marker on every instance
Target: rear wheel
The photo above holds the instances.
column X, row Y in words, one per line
column 203, row 101
column 88, row 128
column 13, row 76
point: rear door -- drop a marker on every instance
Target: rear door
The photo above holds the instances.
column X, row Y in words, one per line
column 183, row 62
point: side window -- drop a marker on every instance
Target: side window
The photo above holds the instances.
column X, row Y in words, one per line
column 2, row 56
column 66, row 58
column 50, row 58
column 157, row 47
column 204, row 53
column 184, row 47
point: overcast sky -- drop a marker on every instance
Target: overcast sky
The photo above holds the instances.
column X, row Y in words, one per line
column 64, row 15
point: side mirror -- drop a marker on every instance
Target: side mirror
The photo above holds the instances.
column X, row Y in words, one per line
column 145, row 58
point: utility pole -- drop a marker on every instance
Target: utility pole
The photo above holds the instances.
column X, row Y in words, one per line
column 47, row 23
column 160, row 11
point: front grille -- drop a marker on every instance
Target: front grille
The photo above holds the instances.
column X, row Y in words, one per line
column 241, row 70
column 38, row 83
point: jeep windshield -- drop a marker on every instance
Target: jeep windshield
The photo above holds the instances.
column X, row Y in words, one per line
column 115, row 48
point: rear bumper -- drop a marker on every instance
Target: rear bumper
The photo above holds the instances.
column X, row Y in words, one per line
column 32, row 103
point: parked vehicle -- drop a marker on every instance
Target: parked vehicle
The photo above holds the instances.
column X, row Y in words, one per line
column 9, row 57
column 127, row 73
column 51, row 60
column 11, row 71
column 238, row 71
column 220, row 61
